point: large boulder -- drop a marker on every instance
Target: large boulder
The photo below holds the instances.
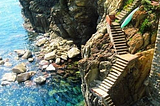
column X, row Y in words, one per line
column 24, row 76
column 41, row 41
column 20, row 68
column 73, row 52
column 10, row 77
column 50, row 55
column 39, row 80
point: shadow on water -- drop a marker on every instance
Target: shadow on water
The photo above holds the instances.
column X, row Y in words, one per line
column 55, row 91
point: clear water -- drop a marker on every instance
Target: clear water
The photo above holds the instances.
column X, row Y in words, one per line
column 13, row 36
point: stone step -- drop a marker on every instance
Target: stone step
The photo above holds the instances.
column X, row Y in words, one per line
column 107, row 84
column 127, row 57
column 109, row 101
column 123, row 14
column 115, row 26
column 107, row 98
column 120, row 63
column 117, row 32
column 118, row 69
column 123, row 11
column 119, row 42
column 120, row 39
column 108, row 81
column 120, row 36
column 111, row 79
column 119, row 66
column 111, row 104
column 103, row 87
column 119, row 47
column 114, row 74
column 120, row 50
column 99, row 92
column 116, row 29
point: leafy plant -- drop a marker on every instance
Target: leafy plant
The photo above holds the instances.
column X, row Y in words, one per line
column 145, row 25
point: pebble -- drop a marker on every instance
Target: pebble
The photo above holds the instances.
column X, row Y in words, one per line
column 50, row 68
column 7, row 64
column 1, row 62
column 30, row 59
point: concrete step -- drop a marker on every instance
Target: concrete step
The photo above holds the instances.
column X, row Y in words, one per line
column 122, row 52
column 119, row 66
column 111, row 104
column 120, row 39
column 122, row 61
column 107, row 84
column 123, row 11
column 120, row 36
column 123, row 49
column 99, row 92
column 127, row 57
column 117, row 32
column 116, row 29
column 120, row 44
column 111, row 79
column 114, row 74
column 116, row 68
column 120, row 47
column 108, row 81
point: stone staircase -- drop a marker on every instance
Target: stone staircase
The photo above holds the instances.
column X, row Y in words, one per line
column 102, row 87
column 155, row 69
column 126, row 11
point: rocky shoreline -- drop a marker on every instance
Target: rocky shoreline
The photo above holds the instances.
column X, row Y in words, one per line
column 57, row 57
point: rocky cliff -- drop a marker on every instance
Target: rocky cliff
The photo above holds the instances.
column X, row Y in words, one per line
column 84, row 21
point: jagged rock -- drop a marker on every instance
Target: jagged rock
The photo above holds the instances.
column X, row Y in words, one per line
column 39, row 80
column 7, row 64
column 146, row 37
column 1, row 62
column 10, row 77
column 20, row 52
column 30, row 59
column 50, row 55
column 20, row 68
column 64, row 57
column 73, row 52
column 41, row 42
column 27, row 54
column 25, row 76
column 50, row 68
column 135, row 43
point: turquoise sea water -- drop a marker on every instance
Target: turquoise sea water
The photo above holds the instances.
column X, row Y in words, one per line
column 13, row 36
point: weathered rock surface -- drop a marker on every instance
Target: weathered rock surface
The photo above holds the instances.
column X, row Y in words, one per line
column 24, row 76
column 50, row 68
column 27, row 54
column 1, row 62
column 20, row 52
column 50, row 55
column 41, row 42
column 39, row 80
column 73, row 52
column 20, row 68
column 10, row 77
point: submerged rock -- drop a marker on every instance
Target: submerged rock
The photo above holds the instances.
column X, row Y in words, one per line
column 39, row 80
column 20, row 68
column 7, row 64
column 24, row 76
column 11, row 77
column 4, row 83
column 20, row 52
column 27, row 54
column 73, row 52
column 1, row 62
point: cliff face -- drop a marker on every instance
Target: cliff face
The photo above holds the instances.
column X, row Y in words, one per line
column 74, row 19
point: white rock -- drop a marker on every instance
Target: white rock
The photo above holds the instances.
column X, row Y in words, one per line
column 64, row 57
column 50, row 68
column 20, row 52
column 41, row 42
column 7, row 64
column 39, row 80
column 30, row 59
column 1, row 62
column 4, row 83
column 73, row 52
column 43, row 62
column 44, row 67
column 58, row 60
column 11, row 77
column 20, row 68
column 50, row 55
column 27, row 54
column 24, row 76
